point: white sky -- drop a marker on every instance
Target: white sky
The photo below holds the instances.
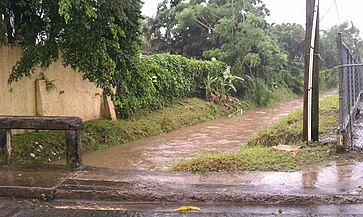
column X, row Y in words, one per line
column 293, row 11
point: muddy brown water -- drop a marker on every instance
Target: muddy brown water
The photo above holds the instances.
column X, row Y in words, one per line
column 221, row 135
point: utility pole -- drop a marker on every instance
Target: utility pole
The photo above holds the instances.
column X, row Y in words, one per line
column 311, row 73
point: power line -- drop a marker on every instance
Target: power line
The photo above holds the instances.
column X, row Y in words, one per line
column 330, row 7
column 336, row 7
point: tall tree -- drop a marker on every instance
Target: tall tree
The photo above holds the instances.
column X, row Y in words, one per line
column 98, row 37
column 230, row 30
column 329, row 49
column 291, row 38
column 240, row 38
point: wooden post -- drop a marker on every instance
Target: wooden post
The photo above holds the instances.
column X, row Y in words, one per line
column 310, row 9
column 9, row 160
column 5, row 145
column 315, row 97
column 73, row 153
column 2, row 145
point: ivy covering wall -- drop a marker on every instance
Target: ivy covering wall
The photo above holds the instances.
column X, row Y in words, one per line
column 156, row 81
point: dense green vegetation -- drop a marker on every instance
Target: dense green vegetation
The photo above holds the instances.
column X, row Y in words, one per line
column 264, row 55
column 233, row 32
column 330, row 54
column 99, row 38
column 159, row 80
column 47, row 146
column 220, row 50
column 257, row 154
column 102, row 40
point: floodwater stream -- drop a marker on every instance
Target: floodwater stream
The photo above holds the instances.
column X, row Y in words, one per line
column 221, row 135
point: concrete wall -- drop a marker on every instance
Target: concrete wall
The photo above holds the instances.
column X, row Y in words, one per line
column 56, row 91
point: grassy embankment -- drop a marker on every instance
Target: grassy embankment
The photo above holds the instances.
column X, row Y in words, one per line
column 47, row 146
column 257, row 154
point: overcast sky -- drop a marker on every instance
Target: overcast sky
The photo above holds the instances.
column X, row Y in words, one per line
column 283, row 11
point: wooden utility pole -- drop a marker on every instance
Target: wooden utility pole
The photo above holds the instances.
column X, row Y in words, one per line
column 311, row 74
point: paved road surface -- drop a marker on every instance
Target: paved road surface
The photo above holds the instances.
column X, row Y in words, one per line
column 30, row 208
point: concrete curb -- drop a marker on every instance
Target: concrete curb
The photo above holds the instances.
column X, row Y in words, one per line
column 27, row 192
column 102, row 184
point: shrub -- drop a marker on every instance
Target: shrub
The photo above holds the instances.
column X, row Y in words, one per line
column 156, row 81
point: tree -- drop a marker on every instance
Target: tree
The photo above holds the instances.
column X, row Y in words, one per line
column 164, row 30
column 240, row 39
column 10, row 16
column 291, row 38
column 100, row 38
column 232, row 31
column 329, row 49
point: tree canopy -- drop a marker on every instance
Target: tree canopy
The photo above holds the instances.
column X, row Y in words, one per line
column 100, row 38
column 329, row 48
column 235, row 32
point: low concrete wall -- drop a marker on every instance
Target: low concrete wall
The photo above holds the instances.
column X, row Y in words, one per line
column 55, row 91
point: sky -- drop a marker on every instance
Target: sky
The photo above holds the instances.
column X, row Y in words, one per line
column 293, row 11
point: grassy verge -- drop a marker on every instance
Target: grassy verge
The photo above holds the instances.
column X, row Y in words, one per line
column 288, row 130
column 257, row 153
column 47, row 146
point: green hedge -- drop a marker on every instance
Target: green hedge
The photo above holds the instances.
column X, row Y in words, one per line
column 156, row 81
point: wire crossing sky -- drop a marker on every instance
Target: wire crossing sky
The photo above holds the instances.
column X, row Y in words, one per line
column 332, row 12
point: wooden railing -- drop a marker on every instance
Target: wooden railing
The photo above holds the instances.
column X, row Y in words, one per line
column 71, row 125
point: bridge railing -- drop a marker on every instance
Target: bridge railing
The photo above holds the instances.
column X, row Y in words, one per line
column 350, row 92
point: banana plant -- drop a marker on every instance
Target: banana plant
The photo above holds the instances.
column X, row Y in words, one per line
column 226, row 83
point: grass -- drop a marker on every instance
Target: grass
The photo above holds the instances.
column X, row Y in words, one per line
column 47, row 146
column 253, row 158
column 257, row 155
column 288, row 130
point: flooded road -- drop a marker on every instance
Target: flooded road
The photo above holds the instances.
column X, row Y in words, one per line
column 221, row 135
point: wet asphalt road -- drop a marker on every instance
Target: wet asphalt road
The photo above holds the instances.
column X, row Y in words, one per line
column 30, row 208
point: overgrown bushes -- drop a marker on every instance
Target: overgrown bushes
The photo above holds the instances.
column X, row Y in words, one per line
column 156, row 81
